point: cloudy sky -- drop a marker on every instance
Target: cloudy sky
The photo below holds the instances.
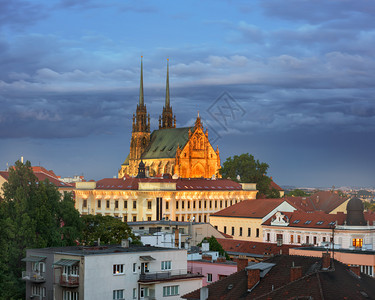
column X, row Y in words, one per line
column 291, row 82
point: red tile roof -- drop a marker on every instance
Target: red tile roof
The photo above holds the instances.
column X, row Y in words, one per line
column 258, row 248
column 318, row 219
column 42, row 174
column 323, row 200
column 181, row 184
column 255, row 208
column 4, row 174
column 275, row 186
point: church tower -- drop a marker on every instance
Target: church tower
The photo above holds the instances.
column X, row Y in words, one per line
column 167, row 120
column 140, row 129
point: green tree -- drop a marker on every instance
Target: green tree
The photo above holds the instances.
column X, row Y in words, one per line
column 32, row 215
column 215, row 246
column 250, row 170
column 109, row 229
column 297, row 193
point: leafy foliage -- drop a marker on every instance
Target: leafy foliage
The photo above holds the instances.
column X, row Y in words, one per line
column 32, row 215
column 109, row 229
column 298, row 193
column 248, row 169
column 215, row 246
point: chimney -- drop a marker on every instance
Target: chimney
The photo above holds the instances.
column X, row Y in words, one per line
column 125, row 243
column 221, row 259
column 204, row 293
column 295, row 273
column 241, row 263
column 207, row 257
column 356, row 270
column 253, row 277
column 326, row 263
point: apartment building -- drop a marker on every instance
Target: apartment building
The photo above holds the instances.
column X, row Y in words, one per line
column 108, row 272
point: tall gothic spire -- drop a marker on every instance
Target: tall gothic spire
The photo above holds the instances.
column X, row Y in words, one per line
column 167, row 120
column 141, row 120
column 167, row 99
column 141, row 97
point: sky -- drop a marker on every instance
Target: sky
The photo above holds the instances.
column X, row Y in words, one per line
column 290, row 82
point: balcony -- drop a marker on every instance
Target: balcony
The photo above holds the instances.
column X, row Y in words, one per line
column 37, row 277
column 69, row 281
column 168, row 275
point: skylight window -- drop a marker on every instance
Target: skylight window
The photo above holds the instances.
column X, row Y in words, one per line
column 296, row 221
column 319, row 222
column 308, row 222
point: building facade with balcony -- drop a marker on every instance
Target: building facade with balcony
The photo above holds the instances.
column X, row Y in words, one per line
column 108, row 272
column 154, row 199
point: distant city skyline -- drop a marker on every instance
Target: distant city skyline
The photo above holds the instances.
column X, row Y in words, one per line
column 291, row 83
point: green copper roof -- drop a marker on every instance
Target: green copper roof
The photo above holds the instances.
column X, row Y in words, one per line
column 164, row 142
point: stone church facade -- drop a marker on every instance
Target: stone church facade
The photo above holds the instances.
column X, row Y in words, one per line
column 184, row 152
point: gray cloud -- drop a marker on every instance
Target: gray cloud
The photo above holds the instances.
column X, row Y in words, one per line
column 18, row 14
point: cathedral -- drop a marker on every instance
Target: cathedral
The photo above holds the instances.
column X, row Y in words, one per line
column 182, row 152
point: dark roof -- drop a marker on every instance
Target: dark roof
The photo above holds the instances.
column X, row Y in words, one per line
column 164, row 142
column 255, row 208
column 100, row 250
column 259, row 249
column 181, row 183
column 339, row 283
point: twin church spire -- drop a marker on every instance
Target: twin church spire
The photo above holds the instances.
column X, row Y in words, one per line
column 141, row 120
column 167, row 120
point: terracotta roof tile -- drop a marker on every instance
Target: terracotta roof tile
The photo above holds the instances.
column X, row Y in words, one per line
column 181, row 184
column 42, row 174
column 323, row 200
column 255, row 208
column 259, row 248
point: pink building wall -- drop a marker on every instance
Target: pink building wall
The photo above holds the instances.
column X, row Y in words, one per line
column 344, row 257
column 213, row 268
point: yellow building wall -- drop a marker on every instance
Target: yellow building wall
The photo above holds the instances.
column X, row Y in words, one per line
column 2, row 180
column 340, row 208
column 133, row 205
column 225, row 224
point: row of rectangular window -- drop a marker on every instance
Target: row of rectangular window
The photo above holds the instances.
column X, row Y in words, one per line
column 279, row 237
column 240, row 232
column 199, row 219
column 118, row 269
column 108, row 203
column 204, row 204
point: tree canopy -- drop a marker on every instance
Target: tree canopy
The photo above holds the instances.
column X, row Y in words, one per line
column 109, row 229
column 215, row 246
column 244, row 168
column 33, row 214
column 298, row 193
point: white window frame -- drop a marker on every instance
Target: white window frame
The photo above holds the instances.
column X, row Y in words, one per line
column 134, row 267
column 134, row 293
column 172, row 290
column 166, row 265
column 118, row 295
column 70, row 295
column 118, row 269
column 144, row 292
column 209, row 277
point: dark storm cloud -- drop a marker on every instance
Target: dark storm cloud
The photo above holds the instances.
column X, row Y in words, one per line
column 18, row 14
